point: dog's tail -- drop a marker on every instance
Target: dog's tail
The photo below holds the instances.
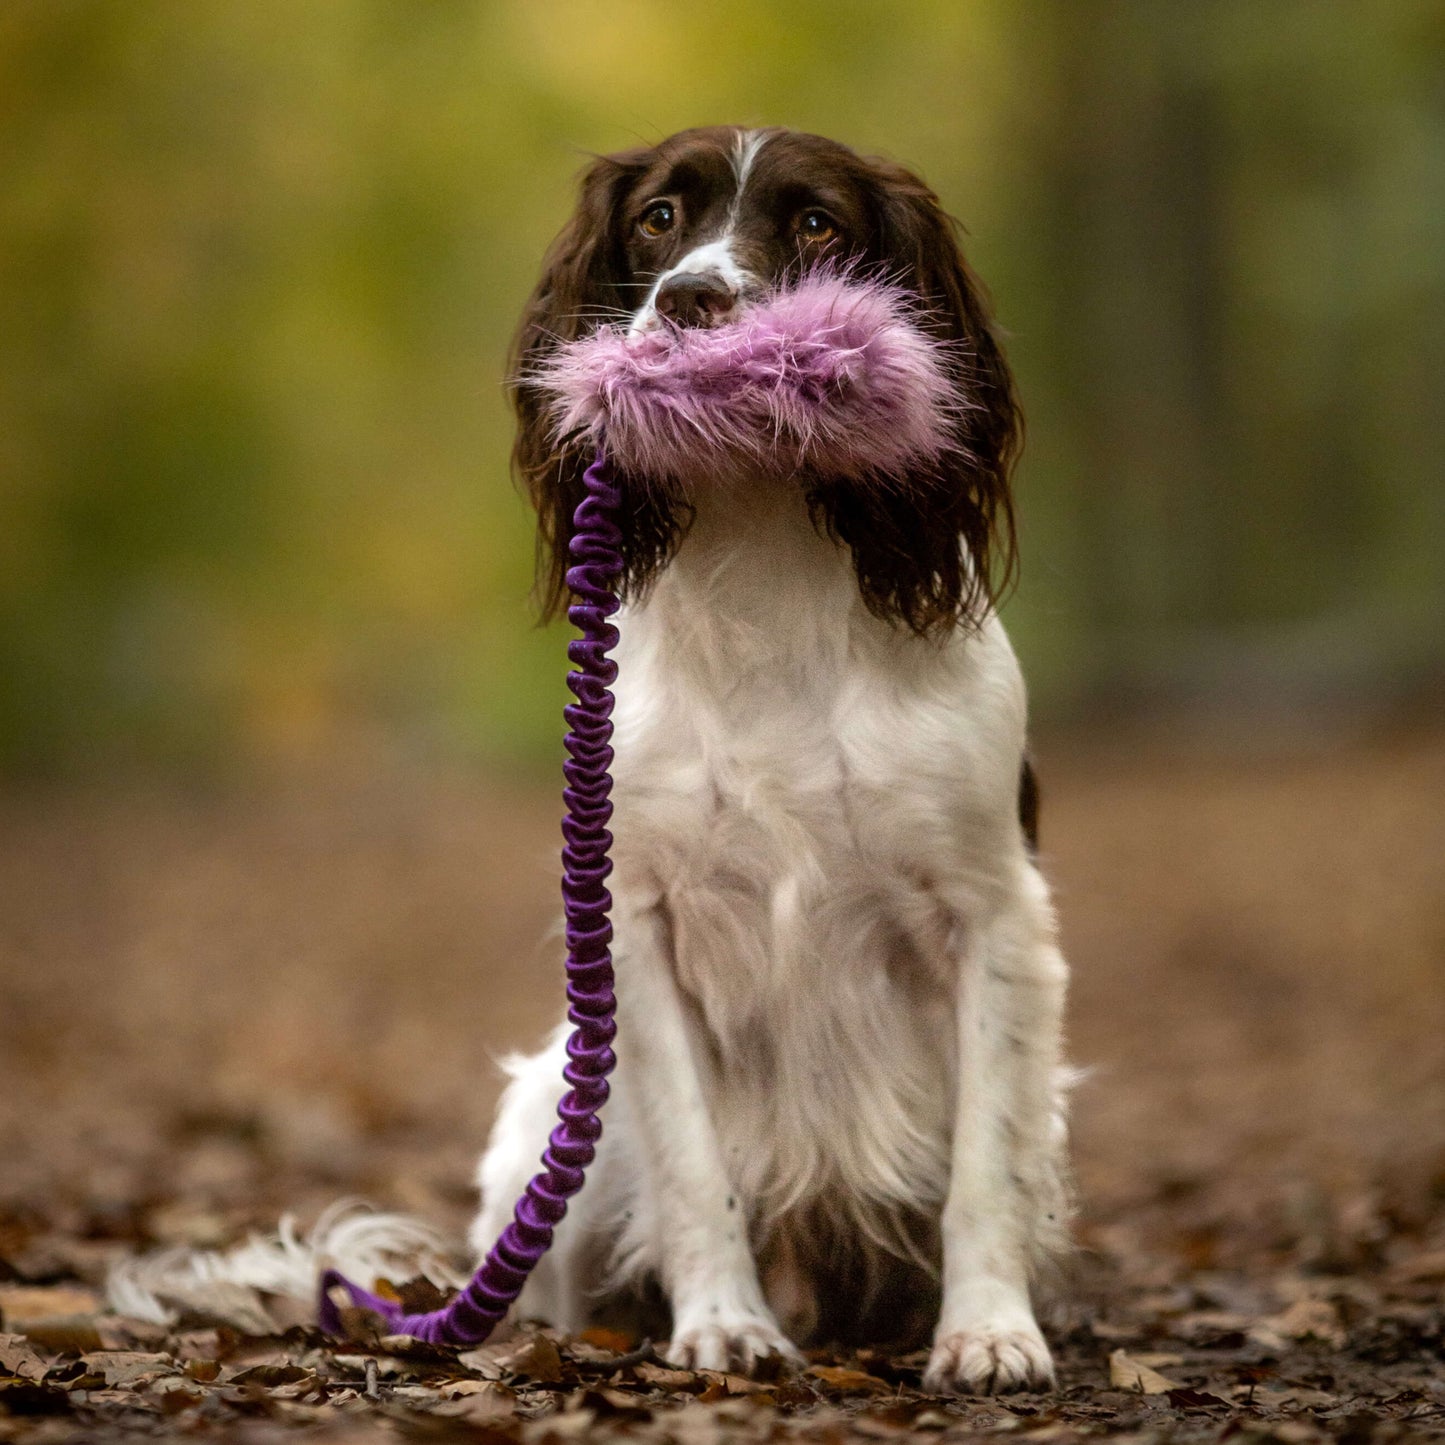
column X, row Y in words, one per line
column 234, row 1283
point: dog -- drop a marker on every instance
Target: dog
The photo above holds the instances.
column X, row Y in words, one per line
column 839, row 1111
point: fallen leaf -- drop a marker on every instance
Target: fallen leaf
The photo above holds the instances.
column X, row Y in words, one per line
column 848, row 1382
column 604, row 1339
column 17, row 1358
column 73, row 1375
column 409, row 1347
column 271, row 1375
column 1127, row 1373
column 583, row 1353
column 485, row 1361
column 421, row 1396
column 667, row 1379
column 177, row 1395
column 1305, row 1319
column 128, row 1367
column 479, row 1409
column 64, row 1334
column 610, row 1403
column 534, row 1357
column 479, row 1389
column 1187, row 1399
column 732, row 1384
column 383, row 1288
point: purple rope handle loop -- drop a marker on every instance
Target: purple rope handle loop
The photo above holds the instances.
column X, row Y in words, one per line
column 596, row 553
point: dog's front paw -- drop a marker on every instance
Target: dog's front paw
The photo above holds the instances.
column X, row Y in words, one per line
column 729, row 1341
column 989, row 1359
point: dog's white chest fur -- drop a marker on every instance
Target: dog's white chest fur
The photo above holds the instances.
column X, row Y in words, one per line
column 795, row 782
column 838, row 988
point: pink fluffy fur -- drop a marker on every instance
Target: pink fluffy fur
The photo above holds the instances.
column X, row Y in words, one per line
column 835, row 377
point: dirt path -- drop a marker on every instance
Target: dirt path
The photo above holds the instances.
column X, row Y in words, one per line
column 220, row 1005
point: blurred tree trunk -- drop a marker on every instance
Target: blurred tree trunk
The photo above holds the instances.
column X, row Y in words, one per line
column 1137, row 257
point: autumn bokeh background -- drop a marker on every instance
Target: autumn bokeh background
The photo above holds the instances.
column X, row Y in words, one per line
column 259, row 265
column 278, row 733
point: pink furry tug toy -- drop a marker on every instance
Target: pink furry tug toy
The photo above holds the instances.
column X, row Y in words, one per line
column 836, row 377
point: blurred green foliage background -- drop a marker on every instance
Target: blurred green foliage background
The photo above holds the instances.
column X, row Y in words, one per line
column 259, row 264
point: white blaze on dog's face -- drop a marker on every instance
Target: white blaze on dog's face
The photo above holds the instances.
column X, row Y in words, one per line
column 720, row 214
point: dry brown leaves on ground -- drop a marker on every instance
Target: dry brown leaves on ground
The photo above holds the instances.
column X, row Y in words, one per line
column 219, row 1006
column 1219, row 1355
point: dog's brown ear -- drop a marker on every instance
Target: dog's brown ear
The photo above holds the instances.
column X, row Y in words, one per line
column 577, row 290
column 582, row 286
column 939, row 549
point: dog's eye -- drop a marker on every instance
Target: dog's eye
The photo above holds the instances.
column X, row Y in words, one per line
column 657, row 219
column 816, row 226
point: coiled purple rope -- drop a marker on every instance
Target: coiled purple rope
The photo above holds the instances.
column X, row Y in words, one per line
column 596, row 553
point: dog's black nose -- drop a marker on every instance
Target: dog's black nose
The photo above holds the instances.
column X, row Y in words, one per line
column 692, row 299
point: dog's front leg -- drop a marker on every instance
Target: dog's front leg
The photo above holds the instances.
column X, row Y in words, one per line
column 696, row 1222
column 1006, row 1196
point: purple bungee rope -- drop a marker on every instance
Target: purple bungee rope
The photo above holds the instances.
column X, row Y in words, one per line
column 596, row 555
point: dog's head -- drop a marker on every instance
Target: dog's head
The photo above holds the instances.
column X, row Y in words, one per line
column 686, row 233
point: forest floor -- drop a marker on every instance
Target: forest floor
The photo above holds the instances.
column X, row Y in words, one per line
column 220, row 1004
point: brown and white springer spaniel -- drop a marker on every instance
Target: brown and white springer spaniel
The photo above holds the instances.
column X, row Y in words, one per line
column 839, row 1111
column 839, row 1108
